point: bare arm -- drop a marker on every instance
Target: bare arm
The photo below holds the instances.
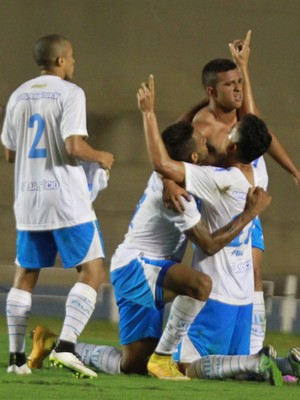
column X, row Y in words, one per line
column 240, row 51
column 278, row 153
column 158, row 154
column 76, row 146
column 10, row 155
column 257, row 201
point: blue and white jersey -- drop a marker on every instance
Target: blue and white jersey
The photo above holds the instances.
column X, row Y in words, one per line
column 223, row 193
column 51, row 189
column 260, row 172
column 156, row 232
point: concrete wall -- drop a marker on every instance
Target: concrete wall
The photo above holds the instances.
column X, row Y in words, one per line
column 117, row 44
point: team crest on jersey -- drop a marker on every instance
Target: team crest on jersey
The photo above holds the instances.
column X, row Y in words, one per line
column 224, row 189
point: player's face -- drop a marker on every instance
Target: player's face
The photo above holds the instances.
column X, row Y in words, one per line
column 201, row 146
column 68, row 61
column 228, row 92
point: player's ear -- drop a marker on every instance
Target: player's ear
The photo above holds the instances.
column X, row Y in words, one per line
column 210, row 91
column 60, row 61
column 232, row 147
column 194, row 157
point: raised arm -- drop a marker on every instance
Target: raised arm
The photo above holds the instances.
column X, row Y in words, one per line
column 158, row 154
column 240, row 51
column 257, row 201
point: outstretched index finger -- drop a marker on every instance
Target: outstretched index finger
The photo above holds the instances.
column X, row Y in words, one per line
column 151, row 84
column 248, row 38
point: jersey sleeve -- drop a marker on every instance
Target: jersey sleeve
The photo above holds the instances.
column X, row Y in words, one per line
column 8, row 136
column 187, row 219
column 74, row 113
column 260, row 172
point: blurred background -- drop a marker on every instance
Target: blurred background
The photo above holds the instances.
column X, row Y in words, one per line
column 117, row 44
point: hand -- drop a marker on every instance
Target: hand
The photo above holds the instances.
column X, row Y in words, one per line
column 296, row 177
column 106, row 159
column 172, row 196
column 257, row 200
column 240, row 51
column 145, row 96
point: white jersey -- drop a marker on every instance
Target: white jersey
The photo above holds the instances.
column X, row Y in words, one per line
column 155, row 231
column 223, row 193
column 260, row 172
column 51, row 189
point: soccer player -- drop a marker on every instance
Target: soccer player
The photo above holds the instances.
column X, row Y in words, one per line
column 45, row 134
column 230, row 96
column 242, row 366
column 146, row 271
column 222, row 193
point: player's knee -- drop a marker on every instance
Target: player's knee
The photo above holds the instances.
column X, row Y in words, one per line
column 204, row 286
column 92, row 273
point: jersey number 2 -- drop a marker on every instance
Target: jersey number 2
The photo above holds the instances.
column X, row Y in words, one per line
column 34, row 152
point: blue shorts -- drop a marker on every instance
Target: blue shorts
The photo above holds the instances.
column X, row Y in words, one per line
column 76, row 245
column 141, row 281
column 218, row 329
column 138, row 322
column 257, row 235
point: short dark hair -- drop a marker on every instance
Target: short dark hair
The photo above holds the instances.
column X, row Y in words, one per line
column 254, row 138
column 214, row 67
column 47, row 49
column 179, row 141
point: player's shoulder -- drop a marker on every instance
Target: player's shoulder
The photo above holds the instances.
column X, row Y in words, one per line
column 205, row 122
column 220, row 174
column 69, row 90
column 203, row 173
column 70, row 86
column 23, row 86
column 155, row 183
column 46, row 82
column 203, row 116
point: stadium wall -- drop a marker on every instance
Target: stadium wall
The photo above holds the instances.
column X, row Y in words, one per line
column 117, row 44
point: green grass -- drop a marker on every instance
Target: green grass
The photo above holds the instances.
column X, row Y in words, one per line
column 56, row 384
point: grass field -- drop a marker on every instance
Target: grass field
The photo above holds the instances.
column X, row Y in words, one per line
column 55, row 384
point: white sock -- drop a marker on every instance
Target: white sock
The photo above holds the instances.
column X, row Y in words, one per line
column 183, row 311
column 80, row 305
column 258, row 328
column 102, row 358
column 18, row 306
column 220, row 367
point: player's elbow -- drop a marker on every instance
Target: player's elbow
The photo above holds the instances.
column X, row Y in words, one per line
column 210, row 248
column 160, row 166
column 166, row 168
column 209, row 251
column 73, row 146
